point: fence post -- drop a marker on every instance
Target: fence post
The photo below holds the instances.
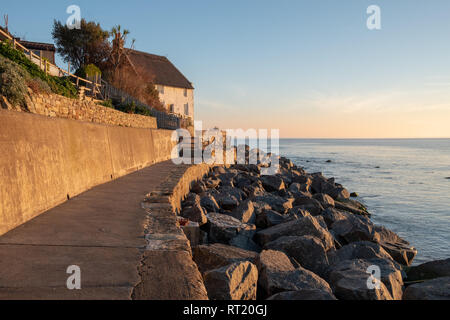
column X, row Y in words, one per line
column 40, row 59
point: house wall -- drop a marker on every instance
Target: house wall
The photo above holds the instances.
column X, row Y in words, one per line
column 176, row 97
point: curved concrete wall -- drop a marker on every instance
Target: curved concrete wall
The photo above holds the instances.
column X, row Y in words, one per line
column 44, row 161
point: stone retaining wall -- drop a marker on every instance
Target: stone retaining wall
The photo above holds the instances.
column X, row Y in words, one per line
column 53, row 105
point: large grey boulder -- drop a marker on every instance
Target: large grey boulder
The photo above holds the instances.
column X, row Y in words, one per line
column 223, row 228
column 218, row 255
column 331, row 215
column 309, row 251
column 270, row 218
column 400, row 249
column 275, row 202
column 351, row 206
column 245, row 212
column 435, row 289
column 325, row 200
column 429, row 270
column 302, row 227
column 191, row 199
column 195, row 213
column 361, row 250
column 277, row 274
column 306, row 294
column 237, row 281
column 350, row 280
column 312, row 205
column 355, row 228
column 272, row 183
column 208, row 202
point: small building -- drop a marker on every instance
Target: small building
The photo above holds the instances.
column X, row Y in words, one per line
column 47, row 50
column 176, row 92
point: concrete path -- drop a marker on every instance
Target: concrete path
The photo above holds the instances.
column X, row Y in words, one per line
column 123, row 251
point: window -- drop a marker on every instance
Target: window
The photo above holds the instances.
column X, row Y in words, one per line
column 160, row 89
column 186, row 109
column 172, row 108
column 185, row 92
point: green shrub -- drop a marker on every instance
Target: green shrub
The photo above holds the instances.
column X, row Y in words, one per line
column 62, row 86
column 38, row 85
column 107, row 103
column 13, row 82
column 91, row 70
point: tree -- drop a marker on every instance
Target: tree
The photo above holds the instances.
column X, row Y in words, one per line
column 80, row 47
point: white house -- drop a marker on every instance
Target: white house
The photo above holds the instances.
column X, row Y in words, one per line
column 175, row 90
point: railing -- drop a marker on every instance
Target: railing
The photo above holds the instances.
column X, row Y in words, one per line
column 103, row 89
column 50, row 68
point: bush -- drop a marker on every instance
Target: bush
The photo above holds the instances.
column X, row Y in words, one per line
column 62, row 86
column 38, row 86
column 91, row 70
column 107, row 103
column 13, row 83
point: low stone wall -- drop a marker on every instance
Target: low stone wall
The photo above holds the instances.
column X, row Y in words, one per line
column 44, row 161
column 53, row 105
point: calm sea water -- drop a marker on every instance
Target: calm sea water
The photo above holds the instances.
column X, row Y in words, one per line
column 402, row 182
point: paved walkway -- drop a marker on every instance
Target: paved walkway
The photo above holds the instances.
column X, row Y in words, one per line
column 118, row 245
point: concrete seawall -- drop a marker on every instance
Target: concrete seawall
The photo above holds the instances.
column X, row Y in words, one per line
column 45, row 161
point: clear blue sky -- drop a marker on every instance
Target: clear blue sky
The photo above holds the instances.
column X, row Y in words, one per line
column 310, row 68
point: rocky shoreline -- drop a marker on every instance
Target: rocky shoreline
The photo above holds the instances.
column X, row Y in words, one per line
column 298, row 236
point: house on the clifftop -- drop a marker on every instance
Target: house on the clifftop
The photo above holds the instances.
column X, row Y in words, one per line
column 176, row 92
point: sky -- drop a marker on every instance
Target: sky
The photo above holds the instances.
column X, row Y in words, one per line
column 311, row 69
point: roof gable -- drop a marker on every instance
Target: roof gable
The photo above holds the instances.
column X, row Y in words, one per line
column 160, row 68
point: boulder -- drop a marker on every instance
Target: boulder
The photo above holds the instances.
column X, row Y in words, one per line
column 331, row 215
column 355, row 228
column 212, row 183
column 350, row 280
column 227, row 179
column 191, row 199
column 399, row 249
column 277, row 274
column 228, row 202
column 198, row 187
column 272, row 183
column 351, row 206
column 299, row 212
column 361, row 250
column 302, row 227
column 338, row 193
column 217, row 255
column 237, row 281
column 325, row 200
column 254, row 190
column 275, row 202
column 305, row 294
column 245, row 212
column 244, row 240
column 311, row 205
column 195, row 213
column 269, row 218
column 208, row 202
column 223, row 228
column 429, row 270
column 309, row 251
column 435, row 289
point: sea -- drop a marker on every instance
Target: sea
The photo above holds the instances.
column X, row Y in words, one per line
column 405, row 183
